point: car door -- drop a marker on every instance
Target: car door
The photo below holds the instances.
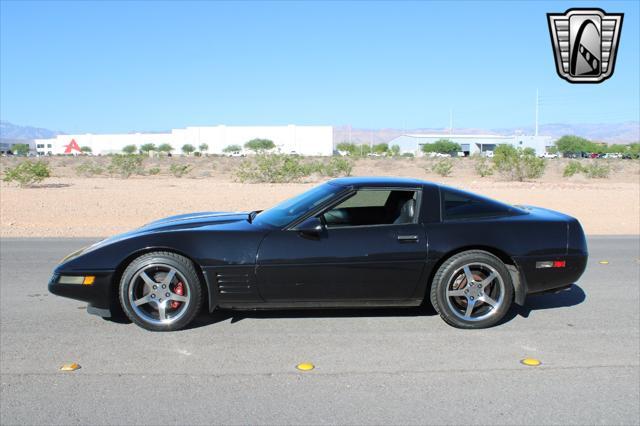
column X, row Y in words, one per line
column 365, row 252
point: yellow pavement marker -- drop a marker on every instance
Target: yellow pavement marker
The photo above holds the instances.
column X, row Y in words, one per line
column 531, row 362
column 70, row 366
column 604, row 262
column 305, row 366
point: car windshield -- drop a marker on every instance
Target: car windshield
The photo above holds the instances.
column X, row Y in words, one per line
column 291, row 209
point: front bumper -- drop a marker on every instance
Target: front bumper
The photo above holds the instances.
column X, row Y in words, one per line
column 100, row 295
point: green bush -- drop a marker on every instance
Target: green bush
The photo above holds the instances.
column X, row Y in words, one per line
column 147, row 147
column 348, row 147
column 517, row 163
column 572, row 168
column 381, row 148
column 483, row 167
column 232, row 148
column 336, row 166
column 20, row 148
column 125, row 165
column 274, row 168
column 89, row 169
column 444, row 146
column 179, row 170
column 154, row 171
column 443, row 167
column 573, row 145
column 408, row 155
column 165, row 147
column 279, row 168
column 129, row 149
column 260, row 145
column 28, row 173
column 597, row 171
column 187, row 148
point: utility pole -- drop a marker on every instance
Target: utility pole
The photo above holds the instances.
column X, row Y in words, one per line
column 537, row 103
column 371, row 142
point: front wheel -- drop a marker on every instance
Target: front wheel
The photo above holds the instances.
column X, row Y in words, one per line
column 160, row 291
column 472, row 289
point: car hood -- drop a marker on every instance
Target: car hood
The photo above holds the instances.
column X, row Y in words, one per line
column 195, row 219
column 171, row 223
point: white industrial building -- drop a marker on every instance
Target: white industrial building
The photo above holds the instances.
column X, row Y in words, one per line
column 472, row 144
column 302, row 140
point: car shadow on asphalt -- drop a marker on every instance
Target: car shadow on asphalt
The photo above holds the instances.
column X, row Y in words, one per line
column 221, row 315
column 572, row 296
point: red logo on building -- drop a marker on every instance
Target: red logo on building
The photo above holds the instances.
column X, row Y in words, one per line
column 73, row 146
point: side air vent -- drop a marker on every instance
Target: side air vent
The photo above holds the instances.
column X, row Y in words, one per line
column 233, row 283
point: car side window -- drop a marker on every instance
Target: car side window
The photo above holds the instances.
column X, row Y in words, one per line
column 368, row 207
column 462, row 205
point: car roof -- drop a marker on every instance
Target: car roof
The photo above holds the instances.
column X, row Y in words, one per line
column 379, row 181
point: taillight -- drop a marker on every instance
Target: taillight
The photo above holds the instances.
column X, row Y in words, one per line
column 551, row 264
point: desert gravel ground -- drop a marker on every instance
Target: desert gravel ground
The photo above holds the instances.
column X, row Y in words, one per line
column 67, row 205
column 372, row 366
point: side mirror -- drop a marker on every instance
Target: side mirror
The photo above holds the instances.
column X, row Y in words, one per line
column 311, row 226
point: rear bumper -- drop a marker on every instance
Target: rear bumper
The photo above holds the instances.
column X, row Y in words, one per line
column 540, row 280
column 98, row 295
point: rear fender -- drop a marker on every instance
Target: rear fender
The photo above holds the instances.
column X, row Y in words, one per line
column 519, row 284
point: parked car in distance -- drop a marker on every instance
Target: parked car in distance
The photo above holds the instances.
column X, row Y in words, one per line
column 350, row 242
column 439, row 155
column 235, row 154
column 488, row 154
column 549, row 155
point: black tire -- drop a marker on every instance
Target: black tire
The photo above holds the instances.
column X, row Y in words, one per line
column 185, row 273
column 452, row 309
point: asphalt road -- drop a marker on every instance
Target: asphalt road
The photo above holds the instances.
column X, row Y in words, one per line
column 372, row 367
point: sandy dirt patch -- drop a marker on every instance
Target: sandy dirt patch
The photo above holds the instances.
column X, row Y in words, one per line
column 70, row 206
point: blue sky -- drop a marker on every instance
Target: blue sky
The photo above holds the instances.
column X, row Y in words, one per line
column 123, row 66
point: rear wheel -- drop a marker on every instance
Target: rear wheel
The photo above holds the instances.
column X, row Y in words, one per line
column 160, row 291
column 472, row 289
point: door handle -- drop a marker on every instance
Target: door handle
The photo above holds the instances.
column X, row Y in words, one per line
column 408, row 238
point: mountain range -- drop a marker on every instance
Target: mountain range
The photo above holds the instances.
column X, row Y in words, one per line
column 624, row 132
column 16, row 132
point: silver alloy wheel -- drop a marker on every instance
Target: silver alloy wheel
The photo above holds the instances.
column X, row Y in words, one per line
column 152, row 291
column 475, row 292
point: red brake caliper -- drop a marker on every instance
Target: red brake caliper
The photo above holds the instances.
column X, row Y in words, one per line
column 179, row 290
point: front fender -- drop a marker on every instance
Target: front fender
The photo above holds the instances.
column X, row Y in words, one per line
column 210, row 250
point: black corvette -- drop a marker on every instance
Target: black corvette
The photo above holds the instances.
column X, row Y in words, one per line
column 351, row 242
